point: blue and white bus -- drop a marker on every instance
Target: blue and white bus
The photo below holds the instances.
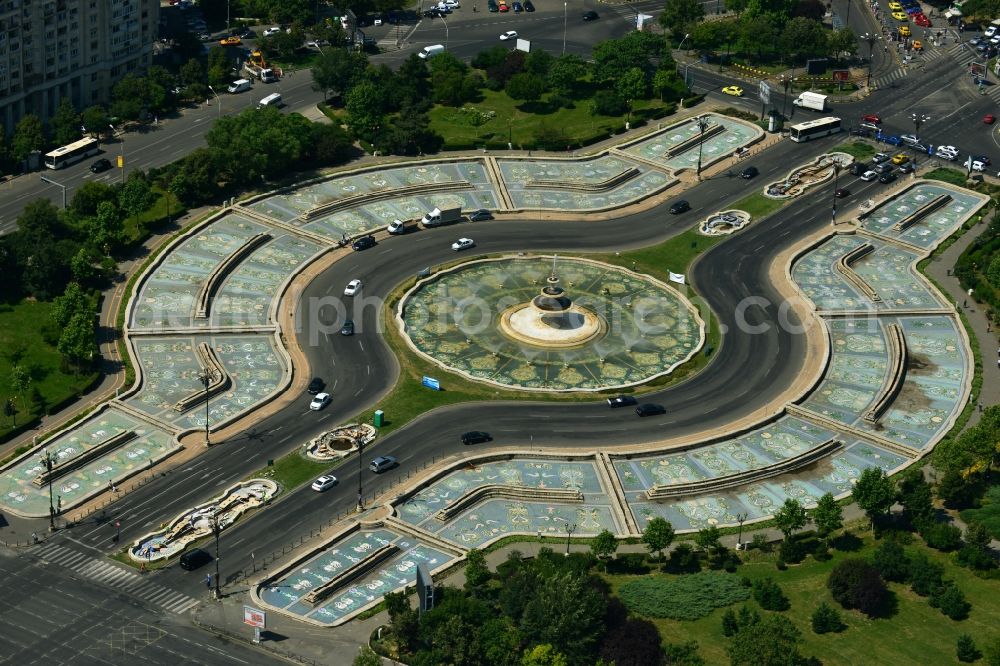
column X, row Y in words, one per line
column 815, row 129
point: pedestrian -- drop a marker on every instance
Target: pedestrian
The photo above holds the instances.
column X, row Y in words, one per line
column 980, row 407
column 142, row 567
column 208, row 581
column 34, row 537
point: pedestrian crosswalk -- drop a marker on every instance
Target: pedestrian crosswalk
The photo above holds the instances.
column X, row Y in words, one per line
column 889, row 79
column 114, row 576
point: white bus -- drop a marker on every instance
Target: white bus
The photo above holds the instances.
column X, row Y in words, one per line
column 74, row 152
column 815, row 129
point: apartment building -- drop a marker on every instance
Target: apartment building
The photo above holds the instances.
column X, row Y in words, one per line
column 50, row 49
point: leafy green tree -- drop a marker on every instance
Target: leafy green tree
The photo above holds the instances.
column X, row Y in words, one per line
column 41, row 252
column 634, row 642
column 367, row 657
column 604, row 545
column 499, row 642
column 29, row 136
column 754, row 34
column 668, row 85
column 683, row 654
column 993, row 272
column 95, row 119
column 607, row 103
column 925, row 576
column 65, row 123
column 365, row 105
column 135, row 95
column 336, row 70
column 957, row 490
column 941, row 536
column 543, row 655
column 856, row 584
column 84, row 267
column 730, row 625
column 951, row 601
column 136, row 196
column 490, row 57
column 412, row 84
column 891, row 561
column 658, row 535
column 567, row 612
column 679, row 16
column 708, row 538
column 843, row 43
column 916, row 497
column 828, row 516
column 772, row 641
column 768, row 594
column 525, row 86
column 966, row 650
column 403, row 620
column 89, row 196
column 636, row 49
column 77, row 341
column 539, row 62
column 200, row 175
column 826, row 619
column 790, row 517
column 976, row 553
column 477, row 573
column 192, row 73
column 73, row 301
column 564, row 74
column 20, row 384
column 256, row 144
column 873, row 493
column 632, row 85
column 804, row 38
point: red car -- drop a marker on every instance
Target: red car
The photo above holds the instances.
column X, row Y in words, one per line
column 922, row 20
column 871, row 118
column 989, row 118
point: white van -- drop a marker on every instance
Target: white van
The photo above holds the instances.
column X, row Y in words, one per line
column 241, row 85
column 431, row 51
column 274, row 99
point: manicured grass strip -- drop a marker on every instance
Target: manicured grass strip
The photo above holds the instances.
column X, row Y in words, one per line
column 293, row 470
column 758, row 206
column 988, row 514
column 953, row 176
column 859, row 150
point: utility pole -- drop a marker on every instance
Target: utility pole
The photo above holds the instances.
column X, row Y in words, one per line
column 205, row 377
column 216, row 529
column 361, row 471
column 47, row 461
column 702, row 124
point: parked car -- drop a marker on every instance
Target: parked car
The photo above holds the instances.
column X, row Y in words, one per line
column 480, row 215
column 271, row 31
column 528, row 7
column 906, row 167
column 858, row 168
column 880, row 157
column 363, row 243
column 884, row 167
column 679, row 206
column 315, row 386
column 621, row 401
column 324, row 482
column 319, row 402
column 650, row 409
column 476, row 437
column 517, row 7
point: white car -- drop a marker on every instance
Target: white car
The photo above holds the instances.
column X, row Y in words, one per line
column 975, row 165
column 948, row 149
column 396, row 227
column 510, row 34
column 377, row 20
column 462, row 244
column 324, row 482
column 271, row 31
column 353, row 287
column 990, row 31
column 450, row 4
column 869, row 176
column 319, row 402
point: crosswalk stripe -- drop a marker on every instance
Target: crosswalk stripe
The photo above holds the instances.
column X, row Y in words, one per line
column 159, row 595
column 183, row 608
column 145, row 588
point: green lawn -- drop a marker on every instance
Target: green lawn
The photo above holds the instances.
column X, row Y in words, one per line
column 916, row 634
column 20, row 336
column 953, row 176
column 758, row 206
column 293, row 470
column 859, row 150
column 497, row 119
column 988, row 514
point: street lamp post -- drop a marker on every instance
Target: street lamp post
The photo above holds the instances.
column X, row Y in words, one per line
column 205, row 377
column 216, row 530
column 871, row 38
column 52, row 182
column 121, row 148
column 702, row 124
column 565, row 9
column 918, row 120
column 445, row 21
column 833, row 211
column 218, row 100
column 569, row 532
column 786, row 82
column 47, row 461
column 361, row 469
column 740, row 517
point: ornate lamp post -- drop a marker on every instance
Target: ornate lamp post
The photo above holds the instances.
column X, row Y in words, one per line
column 740, row 517
column 702, row 124
column 871, row 38
column 569, row 532
column 47, row 460
column 918, row 119
column 215, row 530
column 205, row 377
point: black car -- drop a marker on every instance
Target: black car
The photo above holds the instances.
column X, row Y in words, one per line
column 528, row 7
column 480, row 215
column 194, row 558
column 906, row 167
column 316, row 385
column 476, row 437
column 887, row 177
column 982, row 158
column 749, row 172
column 679, row 207
column 363, row 243
column 590, row 16
column 244, row 33
column 649, row 409
column 858, row 168
column 431, row 13
column 347, row 328
column 884, row 167
column 100, row 165
column 621, row 401
column 492, row 6
column 842, row 192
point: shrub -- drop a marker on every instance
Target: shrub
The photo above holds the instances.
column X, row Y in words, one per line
column 950, row 601
column 684, row 598
column 730, row 625
column 826, row 619
column 856, row 584
column 891, row 561
column 635, row 643
column 760, row 542
column 942, row 536
column 607, row 103
column 966, row 649
column 792, row 551
column 769, row 595
column 683, row 559
column 629, row 563
column 924, row 576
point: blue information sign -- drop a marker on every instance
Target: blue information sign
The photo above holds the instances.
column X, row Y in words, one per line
column 431, row 383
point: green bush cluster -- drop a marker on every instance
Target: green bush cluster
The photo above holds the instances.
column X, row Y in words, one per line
column 683, row 598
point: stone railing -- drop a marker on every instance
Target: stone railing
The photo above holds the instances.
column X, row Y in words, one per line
column 211, row 364
column 693, row 141
column 922, row 212
column 859, row 283
column 87, row 456
column 604, row 185
column 494, row 491
column 215, row 278
column 898, row 359
column 371, row 197
column 811, row 456
column 367, row 563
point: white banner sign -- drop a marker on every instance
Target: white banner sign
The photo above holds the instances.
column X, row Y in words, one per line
column 677, row 277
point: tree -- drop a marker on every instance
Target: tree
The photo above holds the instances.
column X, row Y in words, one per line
column 89, row 196
column 192, row 73
column 730, row 625
column 330, row 145
column 957, row 490
column 856, row 584
column 565, row 611
column 768, row 594
column 84, row 267
column 136, row 196
column 28, row 137
column 403, row 620
column 95, row 119
column 20, row 384
column 772, row 641
column 843, row 43
column 826, row 619
column 658, row 535
column 756, row 34
column 365, row 104
column 804, row 38
column 680, row 15
column 135, row 95
column 526, row 86
column 966, row 650
column 607, row 103
column 635, row 642
column 993, row 272
column 367, row 657
column 976, row 553
column 106, row 229
column 337, row 70
column 543, row 655
column 942, row 536
column 790, row 517
column 915, row 495
column 65, row 123
column 257, row 144
column 77, row 342
column 633, row 84
column 683, row 654
column 950, row 601
column 564, row 74
column 873, row 493
column 636, row 49
column 41, row 249
column 828, row 516
column 604, row 545
column 891, row 561
column 708, row 538
column 925, row 576
column 477, row 573
column 72, row 302
column 667, row 85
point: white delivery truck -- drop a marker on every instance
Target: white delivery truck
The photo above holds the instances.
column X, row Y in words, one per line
column 238, row 86
column 437, row 217
column 431, row 51
column 274, row 99
column 397, row 227
column 811, row 100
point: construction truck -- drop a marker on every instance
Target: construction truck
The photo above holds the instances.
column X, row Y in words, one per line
column 256, row 67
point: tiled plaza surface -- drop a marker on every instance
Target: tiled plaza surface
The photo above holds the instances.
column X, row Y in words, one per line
column 286, row 593
column 655, row 148
column 170, row 371
column 933, row 228
column 888, row 269
column 650, row 328
column 19, row 494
